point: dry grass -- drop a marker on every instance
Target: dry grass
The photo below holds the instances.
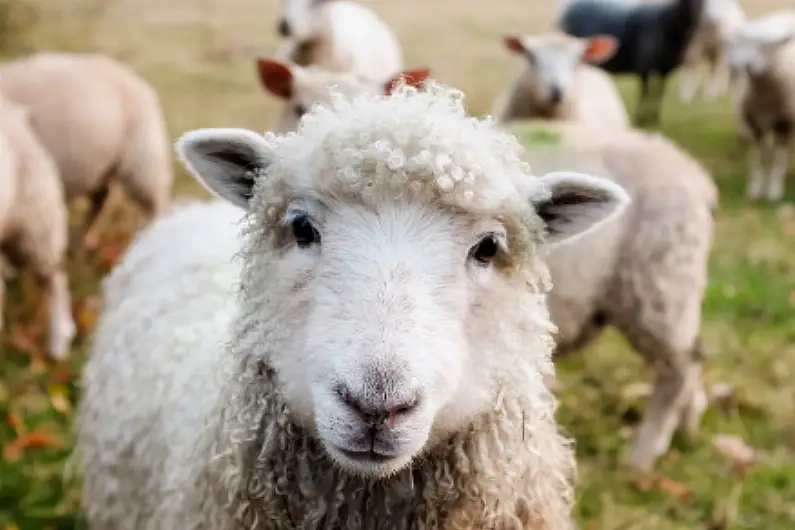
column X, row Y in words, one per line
column 198, row 54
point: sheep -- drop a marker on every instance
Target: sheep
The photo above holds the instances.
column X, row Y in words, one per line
column 720, row 19
column 554, row 83
column 645, row 272
column 310, row 399
column 338, row 36
column 33, row 221
column 103, row 124
column 303, row 87
column 764, row 50
column 653, row 39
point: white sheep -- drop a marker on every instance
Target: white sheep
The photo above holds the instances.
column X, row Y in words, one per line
column 705, row 62
column 103, row 124
column 301, row 87
column 33, row 221
column 393, row 380
column 764, row 50
column 645, row 272
column 555, row 82
column 339, row 36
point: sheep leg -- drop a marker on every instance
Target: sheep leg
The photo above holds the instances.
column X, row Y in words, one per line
column 756, row 175
column 91, row 226
column 62, row 327
column 778, row 171
column 672, row 389
column 690, row 83
column 720, row 80
column 641, row 113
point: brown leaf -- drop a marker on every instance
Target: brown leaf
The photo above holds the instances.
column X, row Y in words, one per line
column 86, row 314
column 24, row 341
column 109, row 254
column 16, row 423
column 13, row 450
column 734, row 448
column 676, row 489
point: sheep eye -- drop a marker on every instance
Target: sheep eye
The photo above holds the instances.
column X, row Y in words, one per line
column 300, row 110
column 485, row 250
column 305, row 234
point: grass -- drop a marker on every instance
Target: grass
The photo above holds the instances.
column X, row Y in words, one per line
column 198, row 54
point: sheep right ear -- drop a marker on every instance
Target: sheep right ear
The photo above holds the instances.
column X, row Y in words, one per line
column 599, row 49
column 275, row 77
column 225, row 161
column 572, row 204
column 514, row 44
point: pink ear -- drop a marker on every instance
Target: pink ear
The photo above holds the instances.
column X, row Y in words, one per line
column 600, row 49
column 275, row 77
column 411, row 77
column 513, row 43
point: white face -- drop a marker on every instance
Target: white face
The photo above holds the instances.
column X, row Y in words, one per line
column 753, row 48
column 554, row 65
column 297, row 19
column 385, row 304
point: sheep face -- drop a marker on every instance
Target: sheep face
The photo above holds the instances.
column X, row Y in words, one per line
column 303, row 87
column 297, row 20
column 752, row 49
column 553, row 60
column 389, row 269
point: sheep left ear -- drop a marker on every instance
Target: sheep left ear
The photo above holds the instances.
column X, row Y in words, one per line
column 572, row 204
column 413, row 78
column 225, row 161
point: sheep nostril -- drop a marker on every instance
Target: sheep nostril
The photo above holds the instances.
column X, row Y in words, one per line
column 375, row 415
column 283, row 28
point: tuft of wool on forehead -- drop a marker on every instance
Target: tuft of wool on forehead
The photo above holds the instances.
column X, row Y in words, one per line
column 419, row 143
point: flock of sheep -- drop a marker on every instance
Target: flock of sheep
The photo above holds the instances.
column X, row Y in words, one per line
column 358, row 332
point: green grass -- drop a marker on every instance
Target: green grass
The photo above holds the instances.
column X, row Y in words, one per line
column 749, row 309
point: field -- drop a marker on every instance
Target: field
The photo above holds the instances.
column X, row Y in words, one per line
column 199, row 55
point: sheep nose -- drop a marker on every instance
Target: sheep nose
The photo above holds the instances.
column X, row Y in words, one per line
column 284, row 28
column 555, row 94
column 377, row 411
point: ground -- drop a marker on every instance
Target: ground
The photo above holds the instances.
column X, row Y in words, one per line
column 199, row 55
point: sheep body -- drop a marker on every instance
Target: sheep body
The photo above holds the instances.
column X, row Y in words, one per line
column 232, row 380
column 653, row 39
column 644, row 272
column 33, row 220
column 103, row 124
column 764, row 49
column 721, row 18
column 340, row 36
column 557, row 85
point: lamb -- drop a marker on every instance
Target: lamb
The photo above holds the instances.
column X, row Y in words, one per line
column 554, row 83
column 764, row 49
column 645, row 272
column 339, row 36
column 310, row 399
column 303, row 87
column 33, row 221
column 653, row 39
column 103, row 125
column 721, row 18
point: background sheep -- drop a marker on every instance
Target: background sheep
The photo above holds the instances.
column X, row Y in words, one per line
column 303, row 87
column 328, row 395
column 33, row 221
column 339, row 36
column 554, row 83
column 653, row 39
column 764, row 49
column 102, row 125
column 644, row 272
column 705, row 63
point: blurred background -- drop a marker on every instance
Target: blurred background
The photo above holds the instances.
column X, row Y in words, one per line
column 200, row 57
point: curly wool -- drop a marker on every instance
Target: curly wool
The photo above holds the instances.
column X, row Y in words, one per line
column 254, row 466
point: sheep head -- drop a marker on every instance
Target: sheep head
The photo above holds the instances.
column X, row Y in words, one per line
column 553, row 60
column 752, row 47
column 390, row 276
column 302, row 87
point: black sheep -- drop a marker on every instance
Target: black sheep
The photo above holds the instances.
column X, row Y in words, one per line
column 653, row 39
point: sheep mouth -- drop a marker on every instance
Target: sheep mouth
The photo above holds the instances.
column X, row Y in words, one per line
column 369, row 456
